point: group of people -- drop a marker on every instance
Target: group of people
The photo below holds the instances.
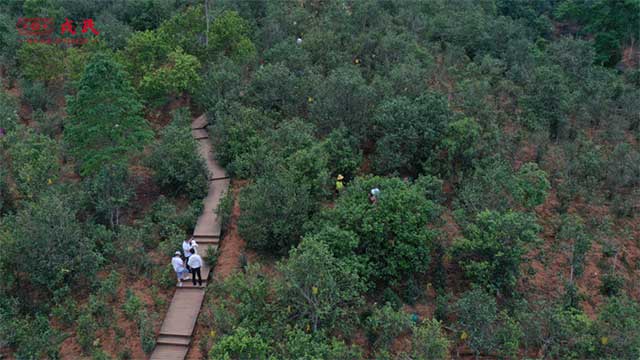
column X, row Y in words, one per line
column 188, row 261
column 373, row 194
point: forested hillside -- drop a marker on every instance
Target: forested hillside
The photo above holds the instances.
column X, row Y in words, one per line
column 410, row 179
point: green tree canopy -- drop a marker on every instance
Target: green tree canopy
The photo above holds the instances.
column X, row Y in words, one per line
column 105, row 123
column 393, row 240
column 493, row 248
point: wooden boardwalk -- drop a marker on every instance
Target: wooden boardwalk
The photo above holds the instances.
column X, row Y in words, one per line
column 178, row 325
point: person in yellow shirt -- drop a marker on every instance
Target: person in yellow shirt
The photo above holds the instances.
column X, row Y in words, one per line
column 339, row 184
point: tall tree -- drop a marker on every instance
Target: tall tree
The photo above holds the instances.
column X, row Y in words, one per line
column 105, row 122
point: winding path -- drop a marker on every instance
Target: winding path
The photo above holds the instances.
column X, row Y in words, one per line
column 178, row 325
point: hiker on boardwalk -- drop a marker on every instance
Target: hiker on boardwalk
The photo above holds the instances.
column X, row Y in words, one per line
column 195, row 262
column 339, row 184
column 187, row 245
column 179, row 268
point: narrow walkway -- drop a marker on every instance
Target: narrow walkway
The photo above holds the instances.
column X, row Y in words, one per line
column 180, row 321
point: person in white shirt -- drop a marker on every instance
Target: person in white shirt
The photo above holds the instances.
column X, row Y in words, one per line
column 195, row 262
column 194, row 244
column 186, row 250
column 178, row 267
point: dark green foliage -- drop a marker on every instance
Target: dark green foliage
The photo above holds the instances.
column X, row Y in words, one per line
column 107, row 130
column 301, row 345
column 495, row 186
column 429, row 341
column 493, row 248
column 546, row 102
column 572, row 231
column 617, row 327
column 461, row 144
column 241, row 344
column 87, row 328
column 145, row 329
column 344, row 155
column 228, row 36
column 8, row 111
column 611, row 284
column 179, row 169
column 224, row 211
column 48, row 124
column 614, row 24
column 391, row 239
column 109, row 191
column 385, row 324
column 274, row 208
column 55, row 245
column 320, row 289
column 343, row 100
column 485, row 329
column 34, row 338
column 410, row 131
column 132, row 304
column 36, row 94
column 34, row 161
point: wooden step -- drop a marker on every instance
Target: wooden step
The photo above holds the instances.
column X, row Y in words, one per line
column 189, row 285
column 169, row 352
column 207, row 239
column 219, row 178
column 174, row 340
column 200, row 134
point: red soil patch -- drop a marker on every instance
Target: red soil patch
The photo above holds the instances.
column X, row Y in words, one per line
column 232, row 244
column 130, row 337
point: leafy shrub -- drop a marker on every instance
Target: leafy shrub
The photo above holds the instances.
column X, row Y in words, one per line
column 109, row 191
column 344, row 154
column 274, row 209
column 35, row 161
column 241, row 344
column 212, row 256
column 48, row 124
column 8, row 111
column 428, row 341
column 147, row 335
column 484, row 329
column 410, row 130
column 572, row 230
column 390, row 297
column 100, row 310
column 66, row 311
column 86, row 330
column 36, row 94
column 34, row 338
column 412, row 291
column 618, row 321
column 390, row 240
column 178, row 167
column 493, row 248
column 132, row 305
column 385, row 324
column 109, row 286
column 109, row 131
column 224, row 211
column 322, row 290
column 131, row 252
column 165, row 277
column 611, row 285
column 55, row 245
column 300, row 345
